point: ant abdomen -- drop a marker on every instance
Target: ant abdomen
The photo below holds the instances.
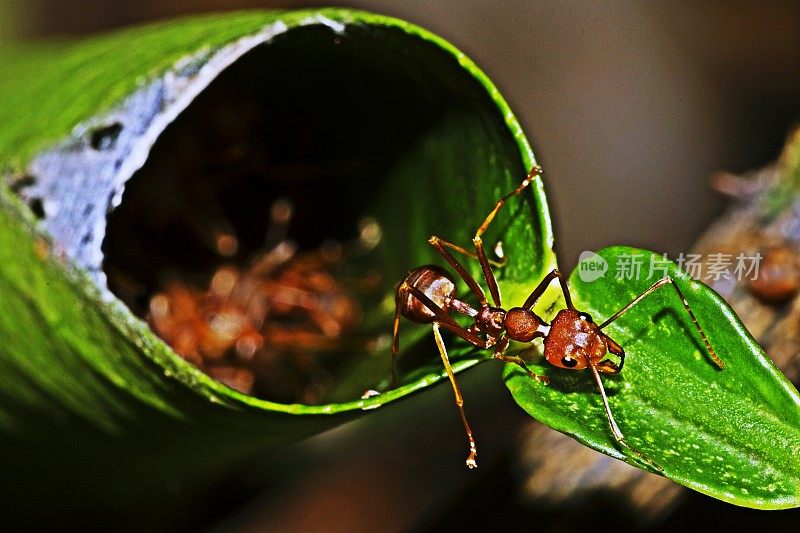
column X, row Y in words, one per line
column 433, row 282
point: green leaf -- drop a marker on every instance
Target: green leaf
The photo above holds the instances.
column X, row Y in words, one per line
column 733, row 434
column 93, row 407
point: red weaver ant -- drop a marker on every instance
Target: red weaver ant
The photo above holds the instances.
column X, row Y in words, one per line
column 572, row 340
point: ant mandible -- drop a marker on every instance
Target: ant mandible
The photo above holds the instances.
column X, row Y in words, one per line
column 572, row 340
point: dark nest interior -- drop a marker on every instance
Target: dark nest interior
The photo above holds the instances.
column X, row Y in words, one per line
column 313, row 117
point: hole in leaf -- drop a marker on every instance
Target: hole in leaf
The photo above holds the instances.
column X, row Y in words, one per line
column 22, row 182
column 105, row 137
column 37, row 206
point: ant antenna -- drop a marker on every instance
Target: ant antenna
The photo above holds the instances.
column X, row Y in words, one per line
column 654, row 287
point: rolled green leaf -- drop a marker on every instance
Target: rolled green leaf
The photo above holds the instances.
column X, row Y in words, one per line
column 733, row 434
column 95, row 408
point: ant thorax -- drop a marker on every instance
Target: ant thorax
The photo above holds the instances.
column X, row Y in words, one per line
column 522, row 325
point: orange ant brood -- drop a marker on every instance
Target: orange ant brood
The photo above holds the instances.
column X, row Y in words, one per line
column 572, row 340
column 275, row 326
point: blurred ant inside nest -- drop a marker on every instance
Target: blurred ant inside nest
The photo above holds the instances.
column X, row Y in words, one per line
column 276, row 327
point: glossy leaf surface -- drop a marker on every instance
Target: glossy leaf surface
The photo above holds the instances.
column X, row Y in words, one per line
column 733, row 434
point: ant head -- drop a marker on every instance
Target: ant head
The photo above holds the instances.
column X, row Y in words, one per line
column 574, row 341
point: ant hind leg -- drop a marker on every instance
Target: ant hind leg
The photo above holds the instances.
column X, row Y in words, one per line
column 396, row 336
column 473, row 450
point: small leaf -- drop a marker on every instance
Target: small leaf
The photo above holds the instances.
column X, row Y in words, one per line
column 733, row 434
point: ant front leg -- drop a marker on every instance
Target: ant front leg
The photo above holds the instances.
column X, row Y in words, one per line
column 499, row 354
column 613, row 424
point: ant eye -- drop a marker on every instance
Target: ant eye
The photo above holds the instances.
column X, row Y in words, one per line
column 586, row 317
column 568, row 361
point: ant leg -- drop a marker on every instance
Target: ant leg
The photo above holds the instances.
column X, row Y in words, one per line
column 446, row 321
column 467, row 253
column 473, row 451
column 611, row 422
column 441, row 316
column 488, row 275
column 395, row 339
column 486, row 268
column 539, row 290
column 654, row 287
column 536, row 170
column 499, row 354
column 486, row 264
column 477, row 240
column 437, row 243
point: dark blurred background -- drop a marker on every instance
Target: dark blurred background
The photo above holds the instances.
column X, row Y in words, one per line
column 631, row 107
